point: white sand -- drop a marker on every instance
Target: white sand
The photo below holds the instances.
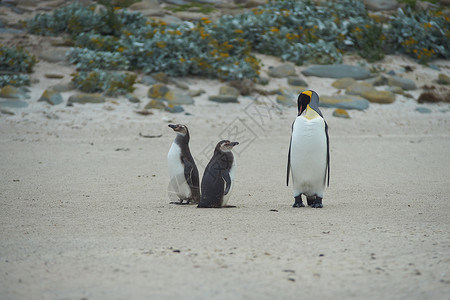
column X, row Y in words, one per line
column 80, row 220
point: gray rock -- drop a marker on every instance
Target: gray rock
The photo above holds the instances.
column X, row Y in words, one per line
column 223, row 99
column 379, row 5
column 51, row 96
column 13, row 103
column 263, row 81
column 344, row 102
column 178, row 98
column 83, row 98
column 63, row 87
column 343, row 83
column 443, row 78
column 282, row 71
column 395, row 90
column 337, row 71
column 133, row 98
column 404, row 83
column 158, row 91
column 226, row 90
column 423, row 110
column 296, row 81
column 148, row 80
column 358, row 88
column 145, row 4
column 434, row 67
column 156, row 104
column 54, row 76
column 180, row 84
column 377, row 80
column 196, row 93
column 286, row 101
column 174, row 109
column 10, row 92
column 375, row 96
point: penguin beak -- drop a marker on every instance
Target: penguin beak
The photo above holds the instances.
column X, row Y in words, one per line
column 232, row 144
column 174, row 127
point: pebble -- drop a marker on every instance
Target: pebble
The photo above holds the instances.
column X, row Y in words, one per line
column 341, row 113
column 404, row 83
column 281, row 71
column 443, row 79
column 132, row 98
column 84, row 98
column 296, row 81
column 51, row 96
column 423, row 110
column 344, row 102
column 223, row 99
column 337, row 71
column 375, row 96
column 226, row 90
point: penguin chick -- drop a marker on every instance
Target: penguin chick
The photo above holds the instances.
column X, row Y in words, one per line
column 184, row 178
column 217, row 181
column 309, row 153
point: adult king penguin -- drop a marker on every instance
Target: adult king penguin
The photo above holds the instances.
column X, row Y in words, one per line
column 218, row 177
column 184, row 179
column 309, row 152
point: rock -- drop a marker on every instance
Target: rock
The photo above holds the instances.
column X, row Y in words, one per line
column 226, row 90
column 51, row 96
column 296, row 81
column 160, row 77
column 379, row 5
column 432, row 97
column 177, row 98
column 341, row 113
column 156, row 104
column 54, row 55
column 180, row 84
column 344, row 102
column 13, row 103
column 53, row 76
column 158, row 91
column 10, row 92
column 343, row 83
column 63, row 87
column 375, row 96
column 377, row 80
column 83, row 98
column 6, row 112
column 223, row 99
column 423, row 110
column 443, row 79
column 245, row 86
column 358, row 88
column 286, row 100
column 174, row 108
column 395, row 90
column 132, row 98
column 196, row 93
column 337, row 71
column 282, row 71
column 148, row 80
column 404, row 83
column 263, row 80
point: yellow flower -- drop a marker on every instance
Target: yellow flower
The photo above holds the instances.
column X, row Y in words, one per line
column 120, row 49
column 224, row 54
column 206, row 20
column 274, row 29
column 182, row 59
column 161, row 44
column 427, row 25
column 239, row 31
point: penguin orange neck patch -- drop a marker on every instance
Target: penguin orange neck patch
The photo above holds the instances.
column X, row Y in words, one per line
column 310, row 113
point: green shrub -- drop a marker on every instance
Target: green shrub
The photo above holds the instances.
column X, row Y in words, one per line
column 98, row 81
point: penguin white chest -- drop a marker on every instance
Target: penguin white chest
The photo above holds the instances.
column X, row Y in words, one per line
column 178, row 181
column 232, row 173
column 308, row 156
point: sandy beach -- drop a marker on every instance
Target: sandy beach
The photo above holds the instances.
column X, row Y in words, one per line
column 85, row 210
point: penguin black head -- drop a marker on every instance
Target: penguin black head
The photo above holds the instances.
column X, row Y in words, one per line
column 179, row 128
column 225, row 145
column 310, row 98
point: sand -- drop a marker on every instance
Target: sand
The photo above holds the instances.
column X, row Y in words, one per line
column 85, row 210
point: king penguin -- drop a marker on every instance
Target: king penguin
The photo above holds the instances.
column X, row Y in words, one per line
column 184, row 178
column 217, row 181
column 309, row 152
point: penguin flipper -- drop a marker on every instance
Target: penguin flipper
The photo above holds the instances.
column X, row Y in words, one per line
column 328, row 155
column 227, row 179
column 188, row 169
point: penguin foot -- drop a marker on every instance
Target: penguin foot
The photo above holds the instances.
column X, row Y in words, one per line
column 317, row 203
column 298, row 201
column 181, row 202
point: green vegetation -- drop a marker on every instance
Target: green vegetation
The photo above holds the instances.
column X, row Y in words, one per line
column 296, row 31
column 14, row 61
